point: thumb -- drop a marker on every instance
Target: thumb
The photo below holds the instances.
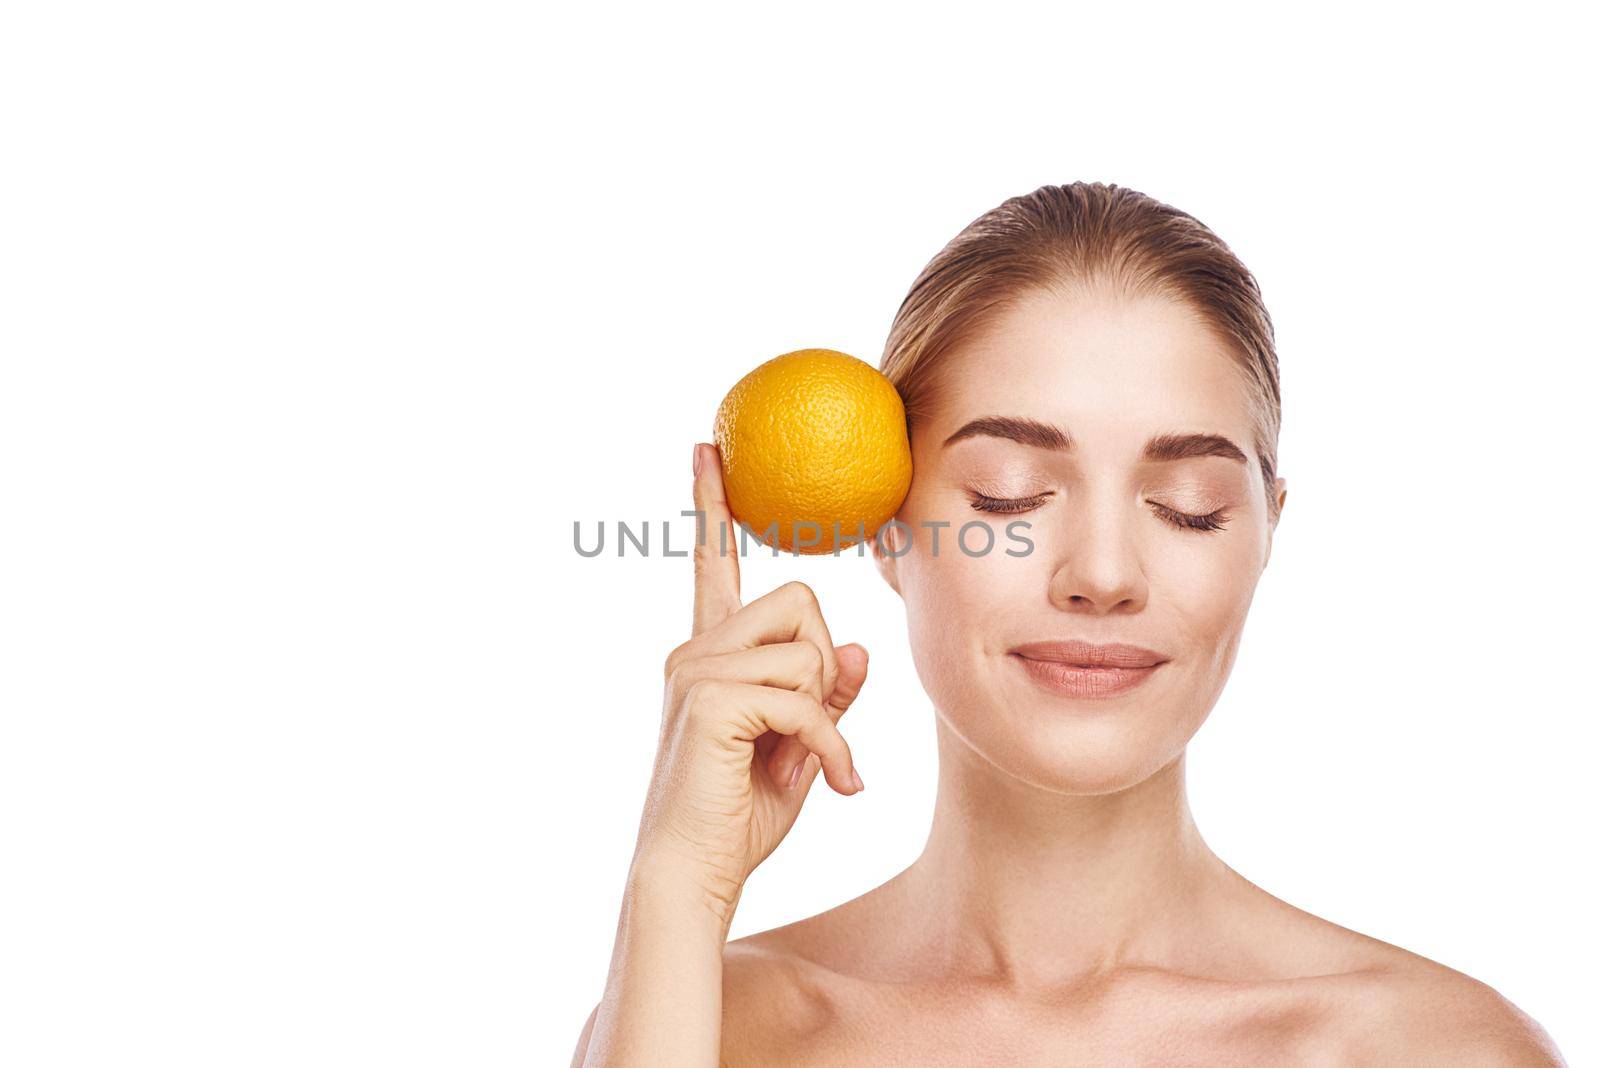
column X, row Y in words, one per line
column 852, row 662
column 790, row 753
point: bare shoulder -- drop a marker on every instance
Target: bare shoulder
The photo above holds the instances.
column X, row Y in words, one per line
column 802, row 992
column 1422, row 1012
column 772, row 998
column 1385, row 1004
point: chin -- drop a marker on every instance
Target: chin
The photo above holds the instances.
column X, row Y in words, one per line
column 1072, row 746
column 1054, row 742
column 1084, row 756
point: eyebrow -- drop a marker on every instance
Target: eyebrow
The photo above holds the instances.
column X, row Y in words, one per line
column 1162, row 447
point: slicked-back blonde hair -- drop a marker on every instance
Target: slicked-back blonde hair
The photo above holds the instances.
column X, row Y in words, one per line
column 1085, row 236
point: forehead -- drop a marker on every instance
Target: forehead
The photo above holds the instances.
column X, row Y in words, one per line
column 1107, row 367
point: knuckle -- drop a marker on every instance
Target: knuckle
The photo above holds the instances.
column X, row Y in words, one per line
column 681, row 680
column 809, row 606
column 674, row 660
column 703, row 697
column 801, row 592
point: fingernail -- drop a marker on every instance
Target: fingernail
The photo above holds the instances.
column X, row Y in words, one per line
column 697, row 459
column 794, row 776
column 857, row 775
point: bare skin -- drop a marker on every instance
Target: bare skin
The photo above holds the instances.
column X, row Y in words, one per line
column 1065, row 909
column 1234, row 976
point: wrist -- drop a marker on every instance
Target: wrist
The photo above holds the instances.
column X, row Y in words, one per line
column 671, row 888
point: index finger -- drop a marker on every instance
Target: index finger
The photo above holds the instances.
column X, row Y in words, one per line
column 716, row 544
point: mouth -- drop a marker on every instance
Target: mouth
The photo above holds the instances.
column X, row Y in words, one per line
column 1082, row 669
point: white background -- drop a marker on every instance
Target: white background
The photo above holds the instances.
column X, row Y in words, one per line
column 324, row 322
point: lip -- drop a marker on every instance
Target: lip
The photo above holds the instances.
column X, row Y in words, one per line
column 1083, row 669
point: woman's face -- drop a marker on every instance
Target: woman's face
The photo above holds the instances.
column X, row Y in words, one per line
column 1109, row 562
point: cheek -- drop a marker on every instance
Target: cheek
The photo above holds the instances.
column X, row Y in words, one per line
column 1209, row 590
column 958, row 583
column 957, row 605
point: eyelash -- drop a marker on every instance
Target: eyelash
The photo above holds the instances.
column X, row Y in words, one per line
column 1212, row 521
column 1005, row 505
column 1205, row 524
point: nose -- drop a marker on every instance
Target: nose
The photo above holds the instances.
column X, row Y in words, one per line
column 1098, row 569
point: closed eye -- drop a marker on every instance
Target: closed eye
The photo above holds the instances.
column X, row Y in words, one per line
column 1210, row 521
column 1009, row 504
column 1187, row 521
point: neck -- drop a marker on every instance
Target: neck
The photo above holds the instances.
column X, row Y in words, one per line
column 1031, row 886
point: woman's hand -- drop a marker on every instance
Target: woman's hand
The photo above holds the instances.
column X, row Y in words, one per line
column 751, row 698
column 752, row 702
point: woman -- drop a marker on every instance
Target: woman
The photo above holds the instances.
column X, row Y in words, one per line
column 1100, row 365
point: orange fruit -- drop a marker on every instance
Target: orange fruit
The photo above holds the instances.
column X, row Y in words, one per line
column 814, row 451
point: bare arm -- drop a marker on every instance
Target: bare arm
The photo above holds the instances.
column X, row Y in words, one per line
column 663, row 998
column 749, row 721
